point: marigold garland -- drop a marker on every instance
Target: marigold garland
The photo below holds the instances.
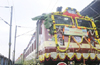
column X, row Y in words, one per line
column 91, row 45
column 83, row 55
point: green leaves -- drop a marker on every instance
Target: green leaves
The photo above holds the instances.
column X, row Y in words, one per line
column 40, row 17
column 48, row 22
column 96, row 21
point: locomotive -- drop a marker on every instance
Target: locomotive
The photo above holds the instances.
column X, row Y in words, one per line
column 63, row 38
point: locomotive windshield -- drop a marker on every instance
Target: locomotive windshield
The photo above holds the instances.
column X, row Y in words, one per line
column 84, row 23
column 62, row 20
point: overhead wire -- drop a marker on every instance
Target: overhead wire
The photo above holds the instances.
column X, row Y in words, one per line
column 15, row 20
column 49, row 5
column 8, row 5
column 25, row 33
column 2, row 18
column 54, row 5
column 5, row 21
column 9, row 24
column 24, row 27
column 8, row 2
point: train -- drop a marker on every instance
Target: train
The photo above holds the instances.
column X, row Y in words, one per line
column 19, row 61
column 63, row 38
column 4, row 60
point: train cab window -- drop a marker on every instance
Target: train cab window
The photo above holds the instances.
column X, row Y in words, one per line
column 62, row 20
column 84, row 23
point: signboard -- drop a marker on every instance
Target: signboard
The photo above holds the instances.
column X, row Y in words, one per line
column 75, row 31
column 61, row 63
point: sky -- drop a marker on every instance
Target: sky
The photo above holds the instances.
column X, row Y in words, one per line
column 23, row 12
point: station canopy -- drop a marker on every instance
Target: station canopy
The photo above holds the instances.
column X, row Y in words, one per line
column 92, row 10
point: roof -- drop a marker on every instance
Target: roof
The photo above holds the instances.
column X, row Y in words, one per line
column 2, row 56
column 92, row 10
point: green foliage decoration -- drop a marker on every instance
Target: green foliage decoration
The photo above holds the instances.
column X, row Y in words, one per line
column 48, row 21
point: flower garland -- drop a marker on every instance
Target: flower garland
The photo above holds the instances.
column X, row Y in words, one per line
column 98, row 56
column 77, row 42
column 91, row 32
column 95, row 40
column 78, row 56
column 55, row 34
column 43, row 57
column 96, row 32
column 47, row 56
column 70, row 56
column 40, row 58
column 91, row 45
column 85, row 55
column 54, row 56
column 92, row 56
column 62, row 56
column 66, row 47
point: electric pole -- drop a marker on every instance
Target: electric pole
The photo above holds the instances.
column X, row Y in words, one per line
column 10, row 34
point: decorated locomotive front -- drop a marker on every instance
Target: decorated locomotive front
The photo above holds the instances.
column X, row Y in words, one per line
column 63, row 38
column 70, row 37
